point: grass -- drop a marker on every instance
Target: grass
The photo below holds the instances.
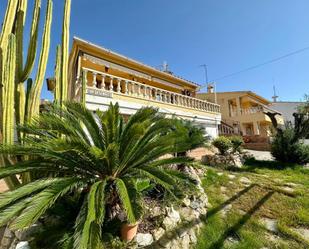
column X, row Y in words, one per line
column 276, row 192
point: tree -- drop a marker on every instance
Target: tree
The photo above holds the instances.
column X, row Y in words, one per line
column 98, row 157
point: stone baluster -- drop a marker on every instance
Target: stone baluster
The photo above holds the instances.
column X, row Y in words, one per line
column 150, row 92
column 111, row 87
column 132, row 87
column 155, row 93
column 159, row 95
column 118, row 85
column 103, row 82
column 126, row 85
column 94, row 79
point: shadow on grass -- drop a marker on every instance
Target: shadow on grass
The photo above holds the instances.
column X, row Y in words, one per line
column 231, row 230
column 185, row 226
column 252, row 164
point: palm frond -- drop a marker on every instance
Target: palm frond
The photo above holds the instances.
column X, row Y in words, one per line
column 91, row 233
column 25, row 191
column 12, row 211
column 128, row 196
column 43, row 201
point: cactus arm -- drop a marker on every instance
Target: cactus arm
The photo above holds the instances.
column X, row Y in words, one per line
column 9, row 86
column 7, row 28
column 8, row 107
column 25, row 72
column 8, row 22
column 65, row 51
column 19, row 32
column 29, row 86
column 34, row 96
column 57, row 74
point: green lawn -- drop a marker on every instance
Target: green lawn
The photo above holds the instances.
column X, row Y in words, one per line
column 257, row 207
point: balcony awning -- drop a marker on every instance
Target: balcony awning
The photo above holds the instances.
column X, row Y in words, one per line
column 115, row 66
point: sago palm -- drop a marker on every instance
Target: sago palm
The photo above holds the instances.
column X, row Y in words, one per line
column 98, row 156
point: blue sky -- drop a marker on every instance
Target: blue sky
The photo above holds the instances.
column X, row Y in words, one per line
column 226, row 35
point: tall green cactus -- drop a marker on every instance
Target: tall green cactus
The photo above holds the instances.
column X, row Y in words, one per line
column 18, row 105
column 35, row 92
column 57, row 89
column 62, row 62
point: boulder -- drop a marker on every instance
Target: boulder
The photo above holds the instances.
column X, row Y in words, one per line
column 158, row 233
column 23, row 245
column 217, row 160
column 144, row 239
column 185, row 241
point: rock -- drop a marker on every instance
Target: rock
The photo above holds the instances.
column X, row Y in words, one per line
column 291, row 184
column 193, row 174
column 303, row 232
column 288, row 190
column 172, row 218
column 185, row 241
column 192, row 235
column 226, row 209
column 195, row 204
column 230, row 242
column 181, row 232
column 169, row 223
column 8, row 233
column 23, row 245
column 144, row 239
column 186, row 202
column 218, row 160
column 245, row 180
column 173, row 214
column 189, row 214
column 158, row 233
column 231, row 177
column 223, row 189
column 156, row 211
column 24, row 235
column 270, row 224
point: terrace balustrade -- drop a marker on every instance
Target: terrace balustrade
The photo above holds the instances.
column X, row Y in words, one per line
column 102, row 83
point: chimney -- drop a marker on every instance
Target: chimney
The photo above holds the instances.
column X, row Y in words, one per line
column 210, row 88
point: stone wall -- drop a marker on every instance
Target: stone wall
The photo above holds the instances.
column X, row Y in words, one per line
column 180, row 226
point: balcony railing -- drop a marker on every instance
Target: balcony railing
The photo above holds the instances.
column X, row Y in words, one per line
column 252, row 110
column 103, row 84
column 247, row 111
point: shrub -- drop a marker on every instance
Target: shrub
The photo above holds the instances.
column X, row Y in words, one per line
column 223, row 144
column 237, row 143
column 285, row 149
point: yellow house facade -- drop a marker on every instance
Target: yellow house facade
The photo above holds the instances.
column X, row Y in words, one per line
column 114, row 78
column 244, row 111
